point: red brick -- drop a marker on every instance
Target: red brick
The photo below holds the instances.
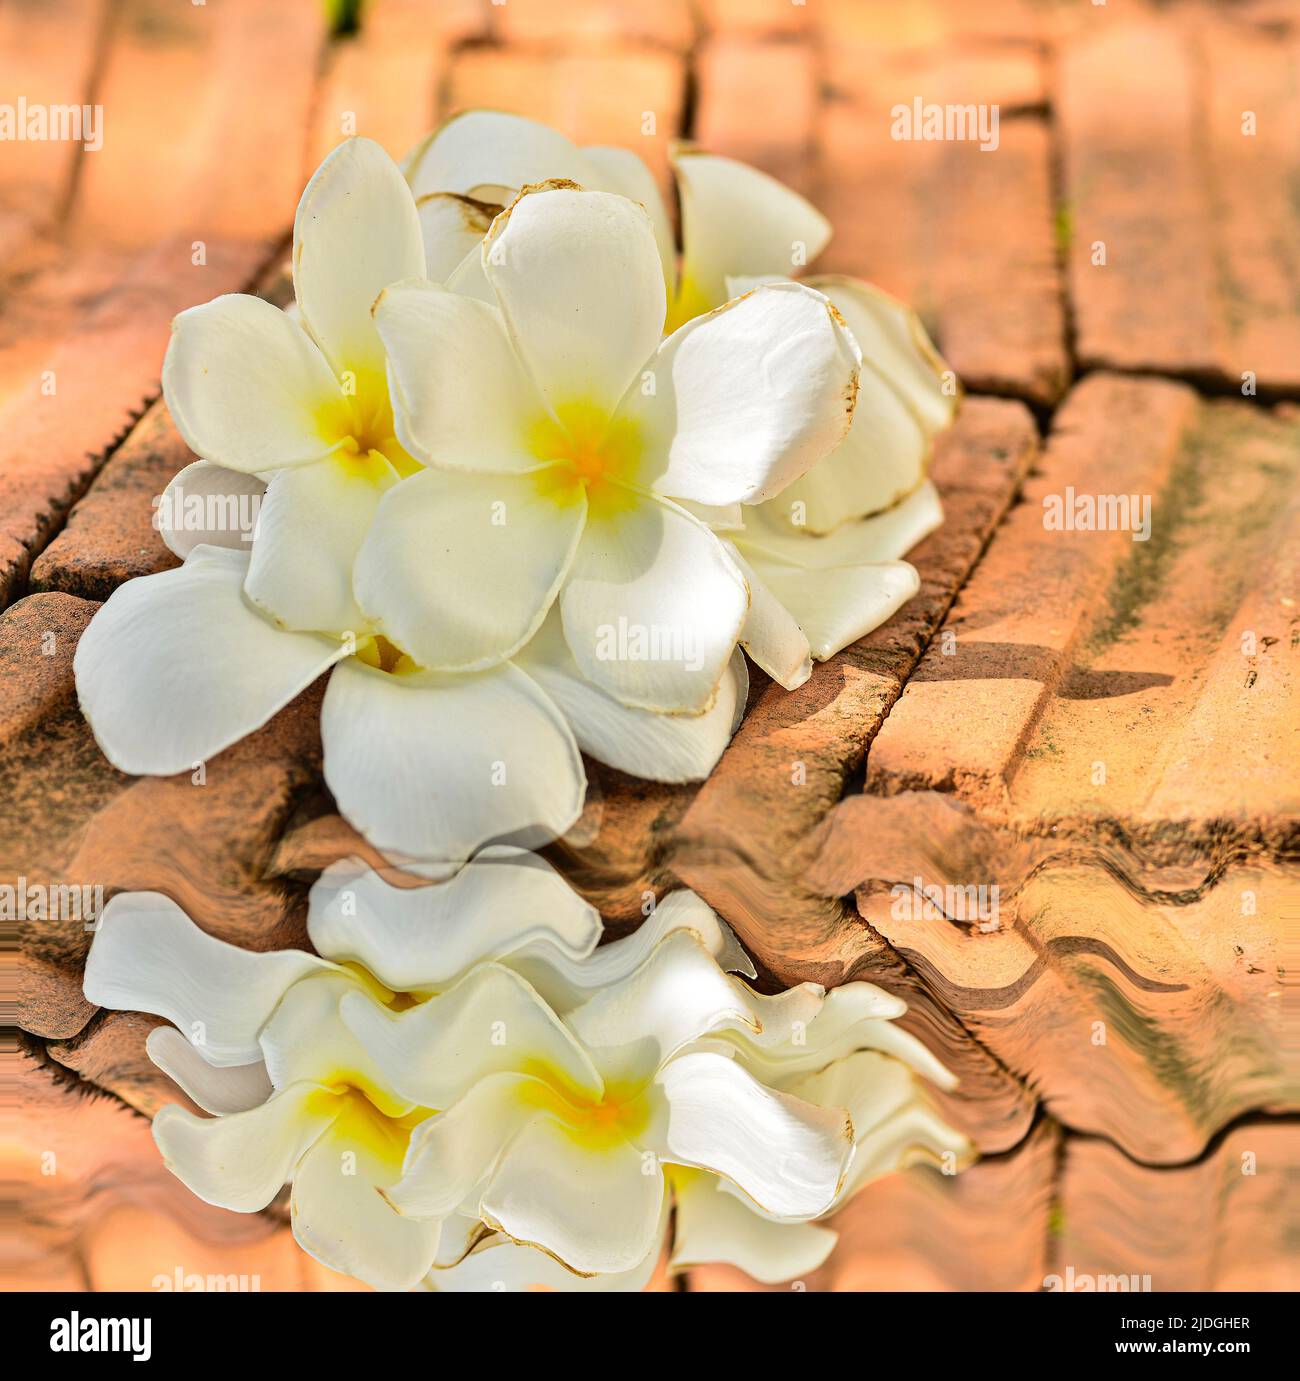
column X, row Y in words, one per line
column 595, row 24
column 962, row 234
column 382, row 83
column 103, row 376
column 757, row 102
column 1221, row 1223
column 1072, row 649
column 1202, row 241
column 205, row 107
column 47, row 54
column 754, row 18
column 595, row 98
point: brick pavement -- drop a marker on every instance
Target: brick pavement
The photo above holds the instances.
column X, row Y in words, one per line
column 960, row 742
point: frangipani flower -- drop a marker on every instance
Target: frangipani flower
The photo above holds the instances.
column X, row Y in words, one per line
column 738, row 226
column 564, row 435
column 567, row 1095
column 304, row 399
column 178, row 666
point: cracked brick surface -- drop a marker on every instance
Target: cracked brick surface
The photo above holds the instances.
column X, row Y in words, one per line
column 1103, row 729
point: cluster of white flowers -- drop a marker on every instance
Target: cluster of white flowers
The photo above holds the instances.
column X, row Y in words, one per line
column 526, row 485
column 466, row 1092
column 511, row 520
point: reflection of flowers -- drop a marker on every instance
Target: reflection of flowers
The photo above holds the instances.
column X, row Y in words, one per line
column 466, row 1087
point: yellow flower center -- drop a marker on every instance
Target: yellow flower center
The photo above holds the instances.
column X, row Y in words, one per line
column 364, row 1115
column 361, row 419
column 621, row 1115
column 588, row 451
column 688, row 302
column 376, row 651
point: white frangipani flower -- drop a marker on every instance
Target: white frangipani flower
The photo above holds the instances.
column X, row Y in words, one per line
column 564, row 436
column 178, row 666
column 303, row 399
column 465, row 1085
column 741, row 227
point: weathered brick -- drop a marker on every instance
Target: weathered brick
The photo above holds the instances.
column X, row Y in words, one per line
column 593, row 23
column 1200, row 236
column 47, row 54
column 623, row 96
column 754, row 18
column 57, row 430
column 963, row 234
column 382, row 83
column 110, row 536
column 205, row 108
column 1222, row 1223
column 1090, row 678
column 68, row 818
column 758, row 102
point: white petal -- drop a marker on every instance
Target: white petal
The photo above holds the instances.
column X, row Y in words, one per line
column 653, row 608
column 566, row 983
column 713, row 1225
column 831, row 1027
column 207, row 505
column 787, row 1155
column 659, row 747
column 460, row 569
column 749, row 397
column 881, row 459
column 491, row 149
column 502, row 902
column 597, row 1210
column 491, row 1022
column 894, row 342
column 356, row 231
column 502, row 1266
column 248, row 388
column 460, row 395
column 771, row 634
column 312, row 524
column 453, row 227
column 581, row 286
column 306, row 1040
column 622, row 171
column 148, row 956
column 242, row 1161
column 739, row 221
column 177, row 666
column 888, row 536
column 452, row 1155
column 902, row 405
column 432, row 767
column 216, row 1089
column 632, row 1027
column 341, row 1218
column 894, row 1125
column 837, row 607
column 469, row 280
